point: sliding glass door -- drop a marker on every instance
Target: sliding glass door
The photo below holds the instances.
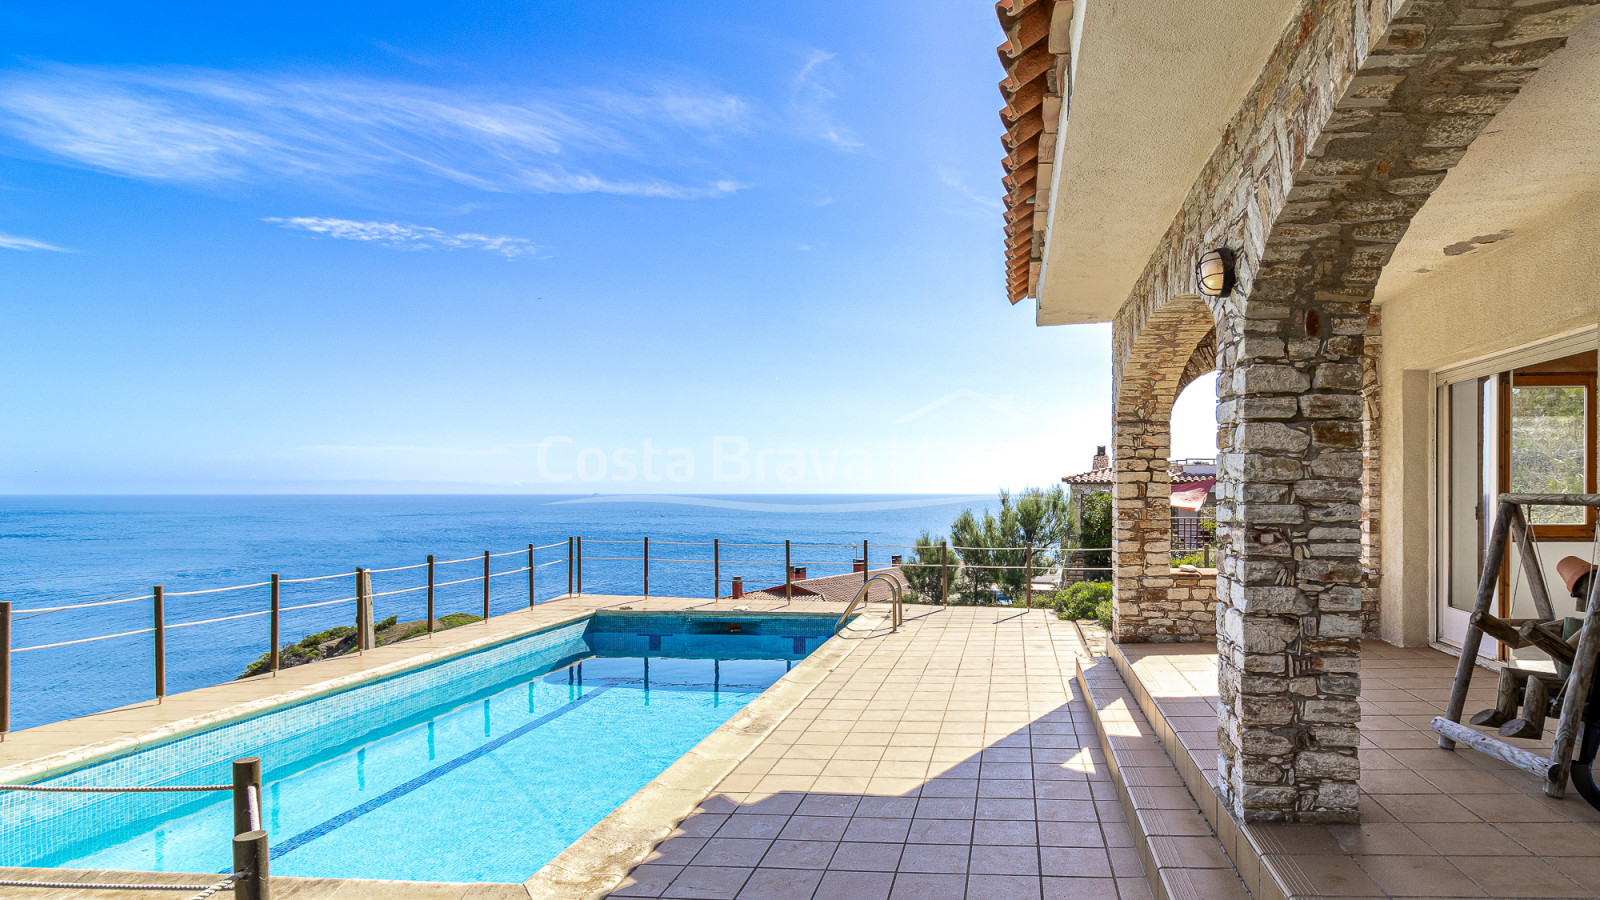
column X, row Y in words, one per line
column 1529, row 428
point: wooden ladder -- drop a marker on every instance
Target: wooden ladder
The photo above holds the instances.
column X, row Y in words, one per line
column 1511, row 523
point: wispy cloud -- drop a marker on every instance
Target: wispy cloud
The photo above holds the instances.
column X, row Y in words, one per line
column 811, row 101
column 368, row 449
column 1005, row 405
column 416, row 237
column 951, row 180
column 207, row 127
column 18, row 242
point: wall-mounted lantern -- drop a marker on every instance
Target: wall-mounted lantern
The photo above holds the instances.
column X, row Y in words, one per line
column 1216, row 272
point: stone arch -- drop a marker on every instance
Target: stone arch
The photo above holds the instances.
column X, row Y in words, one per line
column 1293, row 411
column 1294, row 416
column 1317, row 178
column 1203, row 360
column 1155, row 367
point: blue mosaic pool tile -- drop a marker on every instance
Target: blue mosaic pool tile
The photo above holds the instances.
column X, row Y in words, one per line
column 39, row 829
column 34, row 828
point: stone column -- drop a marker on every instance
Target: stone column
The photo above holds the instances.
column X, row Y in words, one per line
column 1141, row 526
column 1158, row 353
column 1289, row 596
column 1372, row 478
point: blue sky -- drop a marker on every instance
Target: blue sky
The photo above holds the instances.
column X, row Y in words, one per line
column 553, row 247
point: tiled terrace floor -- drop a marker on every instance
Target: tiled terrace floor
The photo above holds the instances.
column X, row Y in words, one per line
column 1434, row 823
column 955, row 759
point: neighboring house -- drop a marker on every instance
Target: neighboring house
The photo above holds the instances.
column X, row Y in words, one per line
column 1193, row 501
column 1377, row 221
column 832, row 588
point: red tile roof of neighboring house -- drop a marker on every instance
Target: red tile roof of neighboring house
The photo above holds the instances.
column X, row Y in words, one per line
column 834, row 588
column 1108, row 475
column 1032, row 75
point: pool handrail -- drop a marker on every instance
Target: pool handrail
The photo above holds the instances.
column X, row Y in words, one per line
column 861, row 597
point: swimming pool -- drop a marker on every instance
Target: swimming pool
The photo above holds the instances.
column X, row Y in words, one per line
column 482, row 767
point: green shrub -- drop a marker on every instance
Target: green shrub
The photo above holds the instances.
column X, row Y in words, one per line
column 927, row 568
column 302, row 651
column 420, row 627
column 1094, row 531
column 1102, row 612
column 1082, row 600
column 341, row 640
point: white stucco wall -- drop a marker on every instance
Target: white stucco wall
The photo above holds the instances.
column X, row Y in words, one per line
column 1538, row 283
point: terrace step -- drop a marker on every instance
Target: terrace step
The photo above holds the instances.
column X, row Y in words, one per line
column 1276, row 861
column 1183, row 857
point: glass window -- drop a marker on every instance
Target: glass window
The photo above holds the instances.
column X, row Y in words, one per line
column 1549, row 447
column 1463, row 490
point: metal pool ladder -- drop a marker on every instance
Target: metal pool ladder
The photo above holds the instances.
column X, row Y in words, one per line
column 895, row 618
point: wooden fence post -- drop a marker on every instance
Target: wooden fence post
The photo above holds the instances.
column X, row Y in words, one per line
column 276, row 625
column 647, row 566
column 250, row 862
column 944, row 568
column 430, row 593
column 159, row 609
column 530, row 577
column 364, row 625
column 1028, row 574
column 5, row 668
column 246, row 775
column 485, row 587
column 716, row 568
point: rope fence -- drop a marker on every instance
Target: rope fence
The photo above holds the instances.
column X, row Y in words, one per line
column 956, row 562
column 248, row 877
column 237, row 587
column 318, row 605
column 87, row 640
column 51, row 609
column 152, row 789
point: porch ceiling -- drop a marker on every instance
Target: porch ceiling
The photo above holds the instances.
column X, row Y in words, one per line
column 1154, row 82
column 1537, row 161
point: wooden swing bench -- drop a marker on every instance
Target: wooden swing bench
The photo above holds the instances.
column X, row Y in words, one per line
column 1542, row 688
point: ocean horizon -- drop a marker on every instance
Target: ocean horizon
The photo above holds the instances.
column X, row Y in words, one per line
column 67, row 549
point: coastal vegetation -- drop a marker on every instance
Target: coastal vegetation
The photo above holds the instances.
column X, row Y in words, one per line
column 988, row 558
column 341, row 639
column 1084, row 600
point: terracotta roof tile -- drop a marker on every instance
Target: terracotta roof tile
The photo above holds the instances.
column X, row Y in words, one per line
column 1027, row 153
column 1027, row 29
column 1023, row 100
column 834, row 588
column 1030, row 67
column 1107, row 475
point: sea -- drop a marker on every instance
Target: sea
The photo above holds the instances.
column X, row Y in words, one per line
column 74, row 550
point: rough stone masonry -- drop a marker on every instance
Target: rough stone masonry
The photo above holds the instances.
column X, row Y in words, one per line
column 1360, row 113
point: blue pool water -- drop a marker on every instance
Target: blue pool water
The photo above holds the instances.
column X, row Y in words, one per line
column 481, row 768
column 68, row 550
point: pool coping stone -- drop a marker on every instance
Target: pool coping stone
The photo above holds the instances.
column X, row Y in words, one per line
column 598, row 861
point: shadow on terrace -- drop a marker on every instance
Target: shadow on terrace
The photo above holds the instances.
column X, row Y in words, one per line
column 954, row 759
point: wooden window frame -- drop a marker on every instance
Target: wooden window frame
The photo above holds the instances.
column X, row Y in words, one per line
column 1584, row 532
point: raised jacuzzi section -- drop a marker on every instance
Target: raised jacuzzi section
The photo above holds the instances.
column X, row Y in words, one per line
column 481, row 767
